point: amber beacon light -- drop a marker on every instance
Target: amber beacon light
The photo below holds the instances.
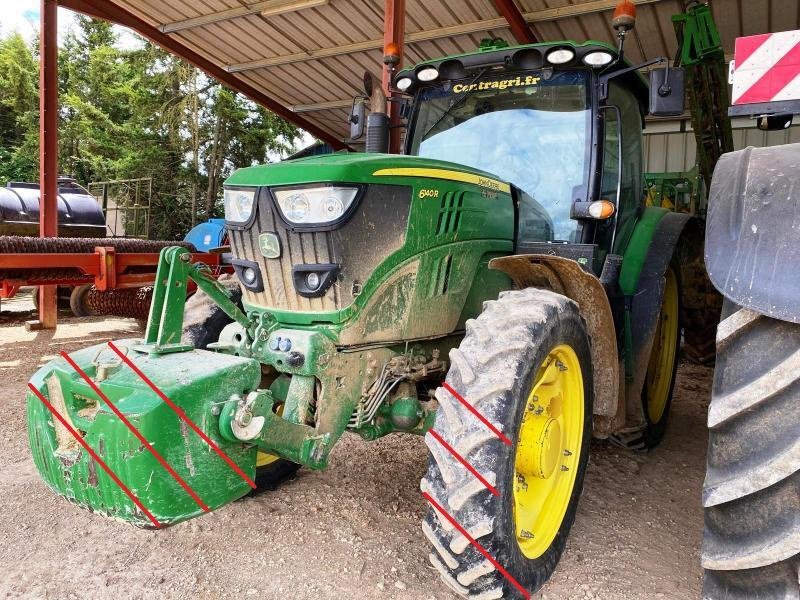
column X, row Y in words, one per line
column 624, row 16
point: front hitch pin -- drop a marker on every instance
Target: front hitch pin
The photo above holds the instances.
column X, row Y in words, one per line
column 244, row 425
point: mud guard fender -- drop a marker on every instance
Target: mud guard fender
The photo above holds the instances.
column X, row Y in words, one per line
column 752, row 230
column 567, row 277
column 644, row 291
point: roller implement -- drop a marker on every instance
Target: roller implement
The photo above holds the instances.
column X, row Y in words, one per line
column 508, row 260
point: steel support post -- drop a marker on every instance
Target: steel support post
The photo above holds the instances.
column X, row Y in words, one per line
column 48, row 147
column 516, row 22
column 394, row 30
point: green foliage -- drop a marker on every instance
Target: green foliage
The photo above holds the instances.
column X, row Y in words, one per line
column 135, row 112
column 19, row 106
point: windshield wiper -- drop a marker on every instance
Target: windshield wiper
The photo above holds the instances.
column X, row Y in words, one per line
column 454, row 103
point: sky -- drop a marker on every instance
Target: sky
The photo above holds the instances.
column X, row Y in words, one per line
column 23, row 16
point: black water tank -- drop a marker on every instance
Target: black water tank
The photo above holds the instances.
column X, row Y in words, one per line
column 79, row 213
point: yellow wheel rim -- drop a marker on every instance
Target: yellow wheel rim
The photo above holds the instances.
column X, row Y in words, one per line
column 262, row 458
column 662, row 357
column 548, row 450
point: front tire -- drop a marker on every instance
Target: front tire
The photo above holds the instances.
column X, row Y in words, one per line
column 525, row 365
column 751, row 494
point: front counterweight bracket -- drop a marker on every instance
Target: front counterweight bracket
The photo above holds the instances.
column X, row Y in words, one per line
column 165, row 322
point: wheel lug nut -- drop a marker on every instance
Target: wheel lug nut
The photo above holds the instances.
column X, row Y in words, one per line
column 564, row 468
column 567, row 453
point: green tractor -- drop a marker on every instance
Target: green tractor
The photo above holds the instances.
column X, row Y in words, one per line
column 501, row 289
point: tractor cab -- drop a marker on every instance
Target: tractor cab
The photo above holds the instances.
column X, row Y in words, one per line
column 562, row 123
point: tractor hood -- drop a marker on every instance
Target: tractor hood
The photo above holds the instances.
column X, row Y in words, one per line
column 361, row 168
column 404, row 206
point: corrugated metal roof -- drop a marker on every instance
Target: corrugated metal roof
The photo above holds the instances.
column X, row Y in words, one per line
column 312, row 59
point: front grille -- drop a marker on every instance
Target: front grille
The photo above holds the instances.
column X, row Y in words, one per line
column 376, row 229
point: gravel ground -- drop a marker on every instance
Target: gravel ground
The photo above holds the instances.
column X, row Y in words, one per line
column 352, row 531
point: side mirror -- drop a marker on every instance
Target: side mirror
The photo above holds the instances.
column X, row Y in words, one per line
column 667, row 92
column 358, row 118
column 406, row 107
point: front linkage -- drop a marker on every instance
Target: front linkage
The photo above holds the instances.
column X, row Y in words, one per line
column 266, row 388
column 251, row 417
column 302, row 359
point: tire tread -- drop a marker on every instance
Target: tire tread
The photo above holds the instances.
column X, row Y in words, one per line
column 751, row 494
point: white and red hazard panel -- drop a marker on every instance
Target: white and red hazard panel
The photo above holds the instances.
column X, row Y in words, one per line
column 766, row 68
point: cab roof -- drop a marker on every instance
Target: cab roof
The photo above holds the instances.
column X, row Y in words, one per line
column 528, row 57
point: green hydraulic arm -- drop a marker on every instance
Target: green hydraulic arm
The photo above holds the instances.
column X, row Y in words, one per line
column 165, row 323
column 245, row 418
column 701, row 55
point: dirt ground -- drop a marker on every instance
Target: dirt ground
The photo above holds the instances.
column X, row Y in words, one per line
column 352, row 531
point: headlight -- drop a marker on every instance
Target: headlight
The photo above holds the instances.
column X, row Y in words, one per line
column 239, row 205
column 427, row 74
column 403, row 83
column 315, row 205
column 598, row 59
column 560, row 56
column 297, row 208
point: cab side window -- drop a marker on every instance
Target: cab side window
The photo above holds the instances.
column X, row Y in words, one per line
column 630, row 127
column 610, row 179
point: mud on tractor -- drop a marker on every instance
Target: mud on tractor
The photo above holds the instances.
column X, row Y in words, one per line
column 507, row 258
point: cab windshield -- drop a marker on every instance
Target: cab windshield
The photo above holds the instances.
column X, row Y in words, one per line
column 530, row 130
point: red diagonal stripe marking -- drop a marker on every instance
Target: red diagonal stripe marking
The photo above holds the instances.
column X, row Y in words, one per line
column 477, row 545
column 746, row 47
column 774, row 80
column 477, row 414
column 182, row 415
column 136, row 432
column 463, row 461
column 94, row 455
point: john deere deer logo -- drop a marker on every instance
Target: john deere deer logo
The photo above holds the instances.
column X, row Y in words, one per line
column 270, row 245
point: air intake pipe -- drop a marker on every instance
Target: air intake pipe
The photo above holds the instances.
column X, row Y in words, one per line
column 378, row 119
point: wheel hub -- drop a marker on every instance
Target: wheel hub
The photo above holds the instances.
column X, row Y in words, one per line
column 548, row 450
column 543, row 457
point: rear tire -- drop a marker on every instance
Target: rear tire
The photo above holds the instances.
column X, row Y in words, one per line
column 663, row 365
column 509, row 353
column 203, row 323
column 751, row 494
column 701, row 303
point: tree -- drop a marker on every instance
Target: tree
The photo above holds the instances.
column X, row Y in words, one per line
column 19, row 106
column 131, row 113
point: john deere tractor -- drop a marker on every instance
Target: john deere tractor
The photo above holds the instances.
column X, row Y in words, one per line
column 501, row 287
